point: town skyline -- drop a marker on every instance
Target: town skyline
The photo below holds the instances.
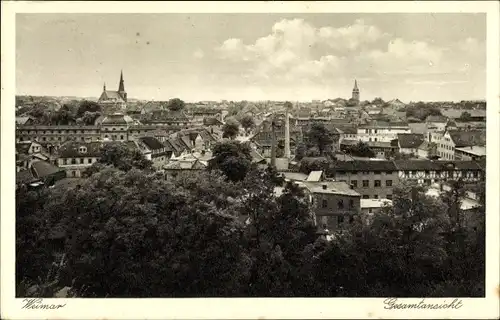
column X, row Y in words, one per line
column 296, row 57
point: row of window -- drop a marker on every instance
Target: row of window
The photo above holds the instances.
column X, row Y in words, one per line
column 444, row 146
column 60, row 132
column 78, row 161
column 366, row 172
column 376, row 196
column 366, row 183
column 45, row 139
column 340, row 204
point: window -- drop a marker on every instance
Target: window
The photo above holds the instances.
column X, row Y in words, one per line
column 377, row 172
column 351, row 203
column 44, row 139
column 340, row 219
column 377, row 183
column 389, row 172
column 324, row 203
column 366, row 183
column 370, row 210
column 475, row 174
column 73, row 161
column 81, row 160
column 375, row 196
column 89, row 160
column 73, row 173
column 65, row 161
column 389, row 196
column 121, row 137
column 366, row 172
column 375, row 139
column 341, row 204
column 365, row 196
column 354, row 183
column 388, row 183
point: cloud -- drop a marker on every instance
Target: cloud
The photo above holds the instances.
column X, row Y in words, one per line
column 300, row 57
column 198, row 54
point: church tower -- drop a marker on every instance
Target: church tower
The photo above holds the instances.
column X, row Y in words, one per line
column 355, row 91
column 121, row 88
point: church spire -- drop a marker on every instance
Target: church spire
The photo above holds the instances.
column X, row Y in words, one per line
column 355, row 84
column 121, row 87
column 104, row 87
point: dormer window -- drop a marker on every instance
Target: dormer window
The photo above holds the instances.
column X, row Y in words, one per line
column 82, row 149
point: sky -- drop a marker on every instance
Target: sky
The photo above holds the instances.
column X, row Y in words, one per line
column 296, row 57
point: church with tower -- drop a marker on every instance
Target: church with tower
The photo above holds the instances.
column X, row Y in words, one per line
column 355, row 92
column 113, row 101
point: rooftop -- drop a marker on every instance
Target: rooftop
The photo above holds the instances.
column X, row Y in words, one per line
column 474, row 150
column 331, row 187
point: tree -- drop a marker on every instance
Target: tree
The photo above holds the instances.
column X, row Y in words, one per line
column 119, row 155
column 465, row 116
column 378, row 101
column 88, row 106
column 175, row 104
column 231, row 128
column 232, row 158
column 320, row 137
column 361, row 149
column 89, row 118
column 247, row 122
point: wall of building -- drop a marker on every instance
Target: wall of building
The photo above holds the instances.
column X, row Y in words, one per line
column 384, row 190
column 334, row 210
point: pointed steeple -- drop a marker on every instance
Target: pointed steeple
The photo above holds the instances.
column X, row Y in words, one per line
column 104, row 87
column 355, row 84
column 121, row 87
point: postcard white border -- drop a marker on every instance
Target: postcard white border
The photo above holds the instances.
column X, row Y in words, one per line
column 231, row 308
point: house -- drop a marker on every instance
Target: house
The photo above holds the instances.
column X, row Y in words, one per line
column 173, row 168
column 28, row 147
column 75, row 157
column 263, row 138
column 458, row 139
column 436, row 122
column 52, row 137
column 27, row 120
column 335, row 204
column 160, row 153
column 381, row 131
column 371, row 179
column 408, row 143
column 474, row 153
column 427, row 172
column 382, row 149
column 373, row 206
column 46, row 172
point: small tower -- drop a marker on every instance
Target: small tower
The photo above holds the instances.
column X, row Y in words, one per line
column 121, row 88
column 355, row 91
column 104, row 87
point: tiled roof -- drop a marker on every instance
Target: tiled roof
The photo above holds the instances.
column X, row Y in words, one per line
column 23, row 147
column 418, row 127
column 416, row 165
column 314, row 176
column 410, row 140
column 468, row 138
column 152, row 143
column 111, row 95
column 458, row 165
column 440, row 119
column 43, row 168
column 332, row 187
column 384, row 124
column 70, row 149
column 211, row 121
column 367, row 165
column 117, row 119
column 22, row 120
column 474, row 150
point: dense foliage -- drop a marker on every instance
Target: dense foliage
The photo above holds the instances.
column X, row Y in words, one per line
column 138, row 233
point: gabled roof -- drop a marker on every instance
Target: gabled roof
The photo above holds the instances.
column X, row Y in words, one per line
column 410, row 140
column 23, row 120
column 43, row 169
column 211, row 121
column 416, row 165
column 152, row 143
column 117, row 118
column 468, row 138
column 110, row 95
column 23, row 147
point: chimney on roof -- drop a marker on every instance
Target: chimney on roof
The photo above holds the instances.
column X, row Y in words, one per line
column 324, row 186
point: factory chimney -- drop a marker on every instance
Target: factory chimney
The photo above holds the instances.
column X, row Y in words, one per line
column 273, row 141
column 287, row 131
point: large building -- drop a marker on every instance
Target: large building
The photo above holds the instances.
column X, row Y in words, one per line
column 113, row 100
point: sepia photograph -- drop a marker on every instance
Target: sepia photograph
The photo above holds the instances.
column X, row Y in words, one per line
column 250, row 155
